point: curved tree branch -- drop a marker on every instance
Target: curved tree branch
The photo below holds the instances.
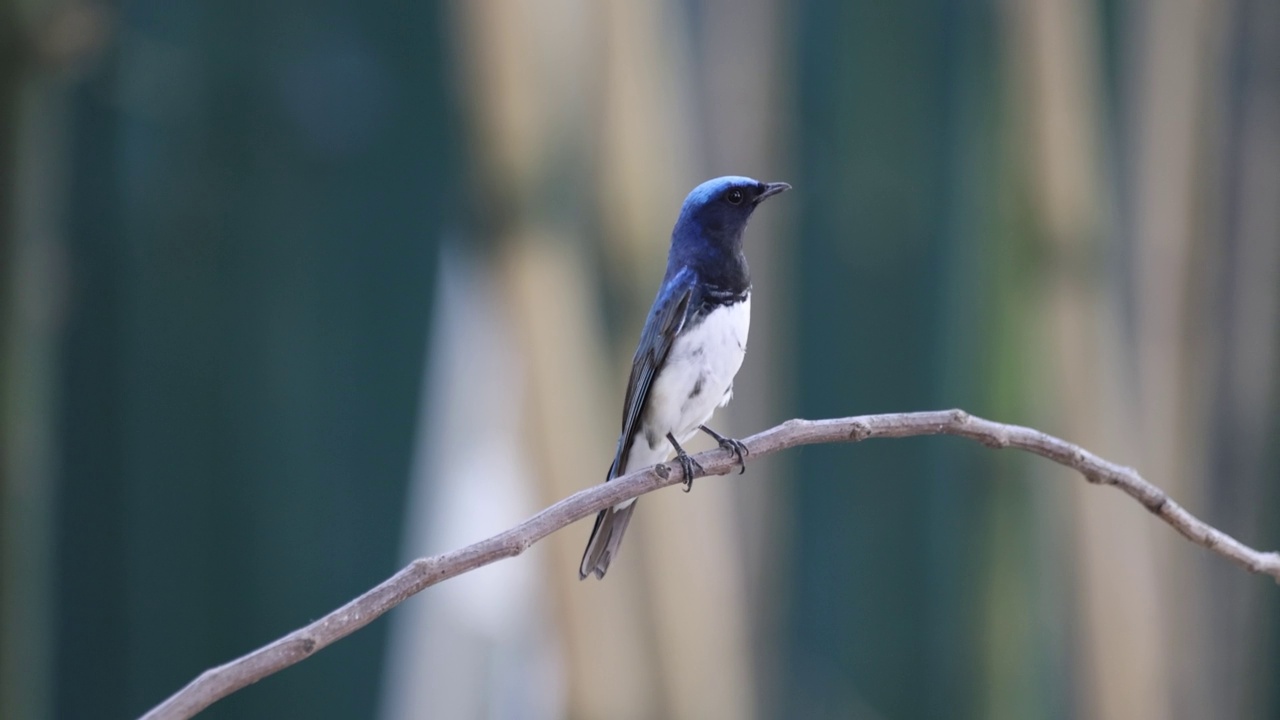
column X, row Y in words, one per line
column 216, row 683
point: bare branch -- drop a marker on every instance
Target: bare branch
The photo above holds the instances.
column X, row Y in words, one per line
column 216, row 683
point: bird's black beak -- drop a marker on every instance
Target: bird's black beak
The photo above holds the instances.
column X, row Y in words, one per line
column 771, row 189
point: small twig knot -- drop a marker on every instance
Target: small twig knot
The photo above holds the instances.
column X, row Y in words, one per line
column 859, row 431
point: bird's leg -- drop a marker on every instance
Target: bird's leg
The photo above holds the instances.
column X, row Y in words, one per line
column 688, row 464
column 737, row 447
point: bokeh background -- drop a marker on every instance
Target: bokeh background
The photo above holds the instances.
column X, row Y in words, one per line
column 293, row 292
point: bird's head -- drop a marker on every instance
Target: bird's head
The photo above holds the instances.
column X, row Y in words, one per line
column 717, row 211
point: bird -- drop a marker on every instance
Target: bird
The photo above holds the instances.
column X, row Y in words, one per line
column 692, row 344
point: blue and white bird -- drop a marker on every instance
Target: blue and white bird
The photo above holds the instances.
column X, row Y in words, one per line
column 690, row 349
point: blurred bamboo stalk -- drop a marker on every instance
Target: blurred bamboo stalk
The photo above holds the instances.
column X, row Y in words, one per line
column 743, row 58
column 29, row 304
column 38, row 40
column 639, row 644
column 1164, row 123
column 1136, row 355
column 1241, row 320
column 525, row 141
column 481, row 647
column 523, row 73
column 604, row 626
column 1121, row 653
column 651, row 156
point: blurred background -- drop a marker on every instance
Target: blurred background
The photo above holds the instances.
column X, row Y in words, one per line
column 293, row 292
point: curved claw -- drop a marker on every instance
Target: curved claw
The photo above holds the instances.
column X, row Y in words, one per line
column 737, row 447
column 689, row 466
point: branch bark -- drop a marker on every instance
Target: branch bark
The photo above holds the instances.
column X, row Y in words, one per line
column 216, row 683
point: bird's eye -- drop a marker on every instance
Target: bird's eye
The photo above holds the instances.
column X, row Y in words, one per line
column 734, row 196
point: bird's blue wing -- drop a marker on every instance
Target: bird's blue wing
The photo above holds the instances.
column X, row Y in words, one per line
column 670, row 311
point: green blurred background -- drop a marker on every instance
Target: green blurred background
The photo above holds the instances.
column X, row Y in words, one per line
column 293, row 292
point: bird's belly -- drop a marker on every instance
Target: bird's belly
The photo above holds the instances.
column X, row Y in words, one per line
column 696, row 379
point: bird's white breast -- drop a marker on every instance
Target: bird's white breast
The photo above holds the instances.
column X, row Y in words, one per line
column 696, row 379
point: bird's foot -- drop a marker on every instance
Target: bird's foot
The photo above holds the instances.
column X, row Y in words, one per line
column 737, row 447
column 687, row 464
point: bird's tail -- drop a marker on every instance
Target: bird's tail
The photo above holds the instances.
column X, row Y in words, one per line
column 606, row 536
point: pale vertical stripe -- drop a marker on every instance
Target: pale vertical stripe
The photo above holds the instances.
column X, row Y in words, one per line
column 537, row 78
column 1167, row 54
column 1239, row 323
column 479, row 645
column 552, row 88
column 745, row 73
column 1120, row 642
column 1167, row 64
column 690, row 564
column 570, row 439
column 34, row 286
column 648, row 159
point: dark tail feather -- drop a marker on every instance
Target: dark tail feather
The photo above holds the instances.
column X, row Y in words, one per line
column 602, row 548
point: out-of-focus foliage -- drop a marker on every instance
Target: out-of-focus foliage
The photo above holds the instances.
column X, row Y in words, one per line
column 238, row 214
column 292, row 292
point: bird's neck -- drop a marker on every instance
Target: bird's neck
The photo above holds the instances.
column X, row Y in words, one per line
column 718, row 262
